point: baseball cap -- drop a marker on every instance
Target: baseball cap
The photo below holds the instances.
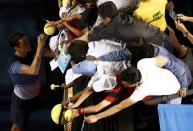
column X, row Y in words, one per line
column 105, row 82
column 53, row 43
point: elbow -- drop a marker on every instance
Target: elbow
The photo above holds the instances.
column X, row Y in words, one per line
column 34, row 72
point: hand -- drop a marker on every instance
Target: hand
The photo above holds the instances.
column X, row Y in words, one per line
column 96, row 61
column 65, row 16
column 91, row 119
column 65, row 103
column 182, row 17
column 64, row 86
column 41, row 40
column 91, row 58
column 183, row 92
column 180, row 26
column 60, row 26
column 51, row 23
column 73, row 106
column 75, row 113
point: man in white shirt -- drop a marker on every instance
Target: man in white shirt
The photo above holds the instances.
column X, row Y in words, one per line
column 96, row 49
column 148, row 79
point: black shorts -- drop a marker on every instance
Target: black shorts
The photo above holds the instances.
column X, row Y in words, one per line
column 21, row 109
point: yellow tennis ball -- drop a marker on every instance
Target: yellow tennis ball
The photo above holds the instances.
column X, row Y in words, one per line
column 55, row 113
column 68, row 115
column 49, row 30
column 65, row 3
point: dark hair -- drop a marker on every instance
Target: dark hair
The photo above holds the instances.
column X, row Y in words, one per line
column 14, row 39
column 78, row 50
column 131, row 75
column 107, row 9
column 139, row 49
column 83, row 2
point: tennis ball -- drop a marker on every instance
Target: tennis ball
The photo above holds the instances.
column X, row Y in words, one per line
column 49, row 30
column 65, row 3
column 68, row 115
column 55, row 113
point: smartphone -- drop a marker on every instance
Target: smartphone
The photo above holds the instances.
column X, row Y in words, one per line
column 173, row 15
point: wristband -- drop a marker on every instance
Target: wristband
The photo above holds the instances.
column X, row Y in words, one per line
column 81, row 111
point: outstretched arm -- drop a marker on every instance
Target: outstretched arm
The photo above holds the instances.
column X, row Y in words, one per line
column 76, row 81
column 97, row 108
column 86, row 93
column 122, row 105
column 91, row 109
column 77, row 32
column 71, row 99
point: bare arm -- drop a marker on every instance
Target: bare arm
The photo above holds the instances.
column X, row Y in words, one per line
column 74, row 30
column 72, row 17
column 91, row 109
column 76, row 81
column 86, row 93
column 72, row 99
column 48, row 53
column 83, row 37
column 97, row 108
column 122, row 105
column 182, row 17
column 180, row 26
column 34, row 68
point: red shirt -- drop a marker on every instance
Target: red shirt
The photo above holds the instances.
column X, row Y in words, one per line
column 120, row 92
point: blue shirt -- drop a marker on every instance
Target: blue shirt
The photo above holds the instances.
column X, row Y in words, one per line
column 25, row 86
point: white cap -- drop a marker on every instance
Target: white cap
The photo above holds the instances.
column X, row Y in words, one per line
column 63, row 10
column 53, row 43
column 105, row 82
column 64, row 36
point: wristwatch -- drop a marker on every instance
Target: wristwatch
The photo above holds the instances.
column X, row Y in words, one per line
column 186, row 33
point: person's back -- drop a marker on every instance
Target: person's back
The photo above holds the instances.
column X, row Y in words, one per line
column 155, row 80
column 152, row 12
column 122, row 26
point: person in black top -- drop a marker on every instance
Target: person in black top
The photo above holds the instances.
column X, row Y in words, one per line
column 122, row 26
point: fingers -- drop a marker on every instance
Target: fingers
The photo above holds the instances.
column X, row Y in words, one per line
column 91, row 119
column 42, row 36
column 72, row 106
column 180, row 15
column 183, row 92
